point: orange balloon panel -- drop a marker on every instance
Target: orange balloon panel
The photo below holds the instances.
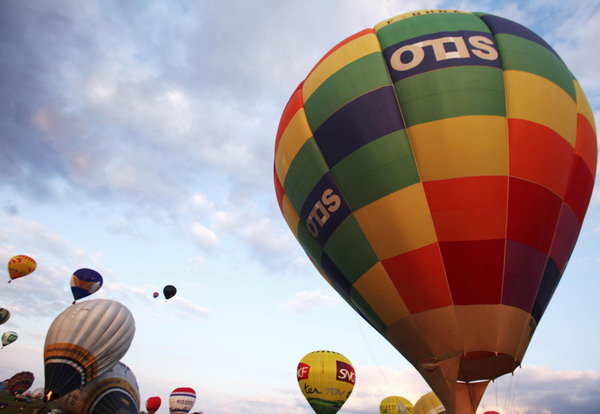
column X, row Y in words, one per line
column 326, row 379
column 436, row 170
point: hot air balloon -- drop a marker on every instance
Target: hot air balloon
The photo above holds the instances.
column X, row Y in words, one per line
column 437, row 170
column 4, row 315
column 155, row 295
column 115, row 391
column 429, row 404
column 20, row 382
column 84, row 282
column 38, row 393
column 19, row 266
column 491, row 412
column 326, row 379
column 181, row 400
column 84, row 342
column 169, row 291
column 3, row 385
column 395, row 405
column 153, row 404
column 9, row 337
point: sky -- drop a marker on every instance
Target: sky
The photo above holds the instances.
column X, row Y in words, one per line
column 137, row 140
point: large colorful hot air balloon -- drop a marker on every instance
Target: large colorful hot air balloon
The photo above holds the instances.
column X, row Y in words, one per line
column 9, row 337
column 169, row 291
column 19, row 266
column 4, row 315
column 429, row 404
column 437, row 170
column 115, row 391
column 326, row 379
column 182, row 400
column 84, row 282
column 153, row 404
column 395, row 405
column 84, row 342
column 20, row 382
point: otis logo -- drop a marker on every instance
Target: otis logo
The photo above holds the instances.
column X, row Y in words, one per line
column 320, row 213
column 303, row 370
column 345, row 372
column 441, row 50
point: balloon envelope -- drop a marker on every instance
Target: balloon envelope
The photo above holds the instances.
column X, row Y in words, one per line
column 84, row 342
column 428, row 404
column 182, row 400
column 437, row 170
column 84, row 282
column 20, row 382
column 9, row 337
column 169, row 291
column 20, row 265
column 395, row 405
column 4, row 315
column 326, row 379
column 115, row 391
column 153, row 404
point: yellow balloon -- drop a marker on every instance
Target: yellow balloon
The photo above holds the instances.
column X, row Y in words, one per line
column 429, row 404
column 326, row 379
column 395, row 405
column 19, row 266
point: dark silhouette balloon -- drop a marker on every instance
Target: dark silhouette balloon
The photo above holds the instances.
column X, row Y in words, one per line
column 169, row 291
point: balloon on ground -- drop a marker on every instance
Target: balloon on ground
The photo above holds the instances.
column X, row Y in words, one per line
column 84, row 342
column 437, row 170
column 9, row 337
column 20, row 266
column 115, row 391
column 20, row 382
column 153, row 404
column 181, row 400
column 84, row 282
column 395, row 405
column 326, row 379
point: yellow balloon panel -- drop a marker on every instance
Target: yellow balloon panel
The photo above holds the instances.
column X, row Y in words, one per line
column 326, row 379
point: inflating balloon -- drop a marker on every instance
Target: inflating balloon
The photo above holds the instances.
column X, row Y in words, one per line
column 84, row 342
column 4, row 315
column 9, row 337
column 326, row 379
column 169, row 291
column 182, row 400
column 20, row 382
column 437, row 170
column 84, row 282
column 153, row 404
column 395, row 405
column 38, row 393
column 115, row 391
column 19, row 266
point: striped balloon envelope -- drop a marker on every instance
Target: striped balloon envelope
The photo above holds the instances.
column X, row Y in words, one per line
column 437, row 170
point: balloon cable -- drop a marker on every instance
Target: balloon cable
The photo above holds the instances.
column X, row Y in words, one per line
column 512, row 400
column 372, row 355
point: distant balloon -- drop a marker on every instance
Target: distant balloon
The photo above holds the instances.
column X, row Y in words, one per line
column 38, row 393
column 84, row 282
column 19, row 266
column 8, row 338
column 115, row 391
column 427, row 404
column 395, row 405
column 322, row 370
column 84, row 342
column 182, row 400
column 169, row 291
column 155, row 294
column 153, row 404
column 20, row 382
column 4, row 315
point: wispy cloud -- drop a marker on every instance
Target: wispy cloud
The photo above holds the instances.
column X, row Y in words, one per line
column 308, row 301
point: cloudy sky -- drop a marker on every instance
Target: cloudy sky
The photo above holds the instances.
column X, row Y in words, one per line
column 137, row 139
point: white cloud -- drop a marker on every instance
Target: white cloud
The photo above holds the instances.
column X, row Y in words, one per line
column 311, row 300
column 203, row 236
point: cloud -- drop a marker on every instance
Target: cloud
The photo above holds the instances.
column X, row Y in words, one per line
column 203, row 236
column 308, row 301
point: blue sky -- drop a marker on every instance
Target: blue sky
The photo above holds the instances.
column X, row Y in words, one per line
column 138, row 140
